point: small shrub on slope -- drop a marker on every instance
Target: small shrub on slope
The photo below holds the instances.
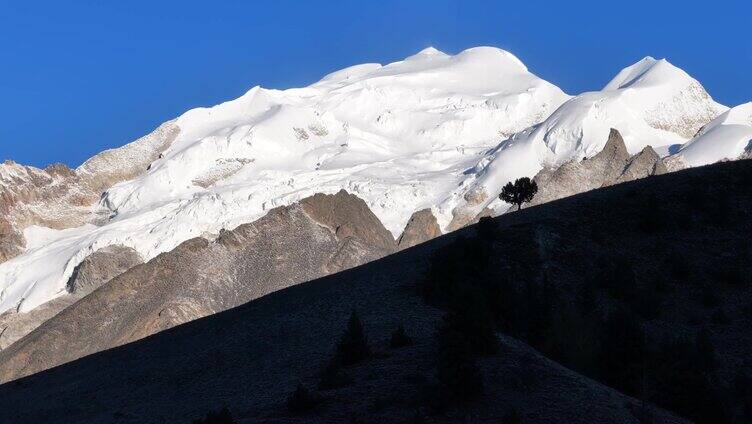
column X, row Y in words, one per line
column 353, row 346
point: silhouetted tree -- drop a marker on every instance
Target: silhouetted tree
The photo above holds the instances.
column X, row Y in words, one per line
column 522, row 191
column 353, row 347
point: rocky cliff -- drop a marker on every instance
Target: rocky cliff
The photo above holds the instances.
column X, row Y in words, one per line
column 612, row 165
column 320, row 235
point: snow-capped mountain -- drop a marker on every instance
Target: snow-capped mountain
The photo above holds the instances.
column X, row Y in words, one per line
column 434, row 130
column 399, row 136
column 728, row 136
column 650, row 103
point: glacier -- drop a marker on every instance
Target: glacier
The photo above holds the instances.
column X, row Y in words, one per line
column 432, row 131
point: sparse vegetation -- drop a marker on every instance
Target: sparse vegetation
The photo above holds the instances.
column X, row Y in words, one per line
column 522, row 191
column 353, row 346
column 607, row 341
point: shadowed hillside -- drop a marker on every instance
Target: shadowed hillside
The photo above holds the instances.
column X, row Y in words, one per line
column 641, row 288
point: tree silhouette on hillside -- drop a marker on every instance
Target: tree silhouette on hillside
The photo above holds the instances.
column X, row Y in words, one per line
column 522, row 191
column 353, row 347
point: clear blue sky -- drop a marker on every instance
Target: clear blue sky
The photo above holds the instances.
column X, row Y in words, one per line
column 77, row 77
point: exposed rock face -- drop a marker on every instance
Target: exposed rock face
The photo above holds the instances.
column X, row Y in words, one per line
column 320, row 235
column 747, row 153
column 641, row 165
column 55, row 197
column 124, row 163
column 461, row 216
column 421, row 227
column 349, row 218
column 59, row 197
column 11, row 241
column 97, row 269
column 15, row 325
column 100, row 267
column 612, row 165
column 674, row 163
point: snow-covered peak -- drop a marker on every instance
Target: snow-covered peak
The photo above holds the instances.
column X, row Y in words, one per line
column 478, row 71
column 400, row 136
column 427, row 53
column 649, row 72
column 433, row 131
column 651, row 102
column 738, row 115
column 729, row 136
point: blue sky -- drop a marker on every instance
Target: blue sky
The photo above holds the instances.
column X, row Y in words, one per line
column 77, row 77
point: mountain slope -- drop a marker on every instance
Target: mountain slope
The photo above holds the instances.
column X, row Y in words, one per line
column 727, row 137
column 651, row 102
column 251, row 357
column 420, row 133
column 611, row 165
column 319, row 235
column 398, row 136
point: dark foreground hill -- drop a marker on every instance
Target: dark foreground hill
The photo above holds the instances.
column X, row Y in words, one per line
column 600, row 306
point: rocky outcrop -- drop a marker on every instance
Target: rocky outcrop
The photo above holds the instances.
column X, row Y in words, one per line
column 12, row 242
column 641, row 165
column 100, row 267
column 97, row 269
column 320, row 235
column 466, row 214
column 59, row 197
column 612, row 165
column 421, row 227
column 124, row 163
column 747, row 153
column 55, row 197
column 348, row 217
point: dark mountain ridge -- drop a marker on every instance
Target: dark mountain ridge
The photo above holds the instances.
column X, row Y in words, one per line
column 680, row 239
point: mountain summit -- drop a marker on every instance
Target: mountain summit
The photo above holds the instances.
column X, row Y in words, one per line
column 436, row 131
column 398, row 136
column 651, row 102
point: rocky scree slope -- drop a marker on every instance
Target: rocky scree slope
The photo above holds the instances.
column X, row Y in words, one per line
column 317, row 236
column 97, row 269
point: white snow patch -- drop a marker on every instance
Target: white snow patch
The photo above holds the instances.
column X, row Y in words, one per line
column 726, row 137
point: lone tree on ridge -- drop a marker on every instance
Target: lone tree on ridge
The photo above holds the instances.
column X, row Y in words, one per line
column 522, row 191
